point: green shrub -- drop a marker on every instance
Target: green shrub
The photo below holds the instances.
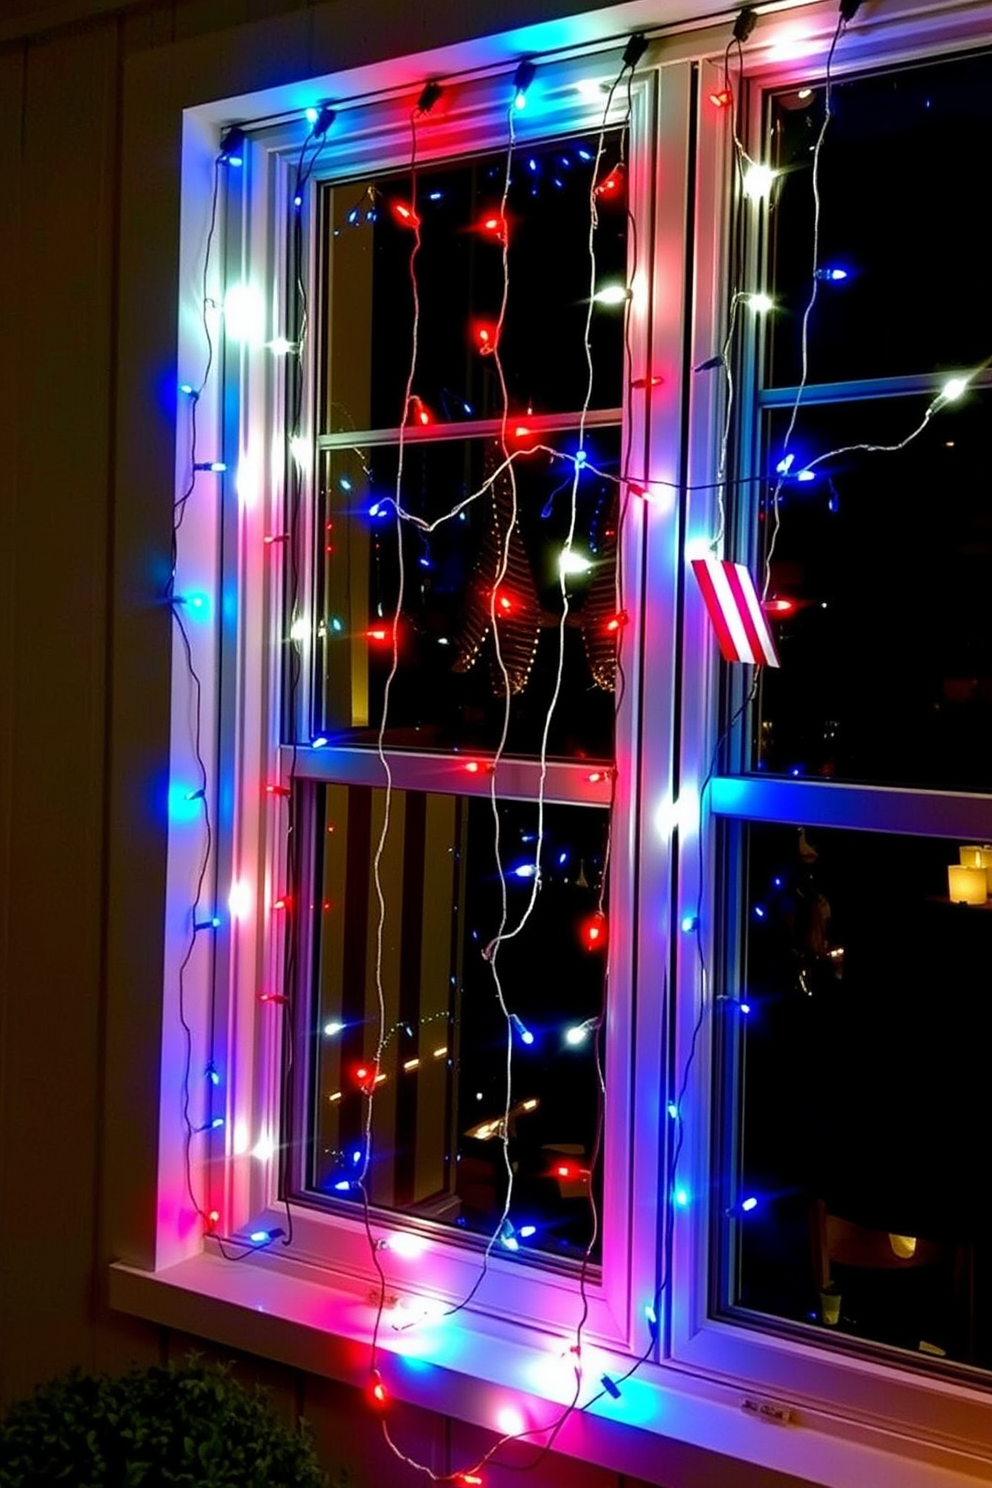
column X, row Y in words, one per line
column 191, row 1425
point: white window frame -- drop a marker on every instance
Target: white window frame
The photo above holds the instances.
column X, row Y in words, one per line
column 709, row 1380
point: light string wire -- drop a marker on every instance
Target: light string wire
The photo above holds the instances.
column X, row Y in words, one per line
column 810, row 303
column 550, row 1430
column 937, row 402
column 196, row 712
column 724, row 357
column 180, row 506
column 383, row 1034
column 492, row 950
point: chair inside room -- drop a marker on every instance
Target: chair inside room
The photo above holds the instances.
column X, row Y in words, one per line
column 856, row 1271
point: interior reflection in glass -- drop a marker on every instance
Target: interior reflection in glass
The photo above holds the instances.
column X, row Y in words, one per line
column 864, row 1108
column 450, row 689
column 897, row 173
column 440, row 1096
column 369, row 302
column 883, row 568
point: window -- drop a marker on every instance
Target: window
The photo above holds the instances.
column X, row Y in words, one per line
column 854, row 1106
column 783, row 850
column 451, row 576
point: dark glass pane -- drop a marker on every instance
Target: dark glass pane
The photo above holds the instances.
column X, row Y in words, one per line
column 886, row 669
column 863, row 1101
column 440, row 1092
column 449, row 692
column 900, row 212
column 459, row 270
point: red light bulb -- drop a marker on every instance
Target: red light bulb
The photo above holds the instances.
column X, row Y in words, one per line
column 403, row 213
column 213, row 1220
column 723, row 99
column 780, row 607
column 378, row 633
column 504, row 604
column 648, row 381
column 617, row 621
column 378, row 1394
column 277, row 790
column 493, row 225
column 594, row 932
column 486, row 336
column 610, row 187
column 419, row 413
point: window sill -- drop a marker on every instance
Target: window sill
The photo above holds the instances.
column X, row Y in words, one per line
column 474, row 1369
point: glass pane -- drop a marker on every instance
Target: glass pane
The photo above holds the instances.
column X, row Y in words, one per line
column 898, row 168
column 862, row 1097
column 886, row 654
column 368, row 311
column 450, row 691
column 440, row 1085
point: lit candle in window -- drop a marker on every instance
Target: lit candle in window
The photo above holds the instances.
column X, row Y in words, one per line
column 967, row 884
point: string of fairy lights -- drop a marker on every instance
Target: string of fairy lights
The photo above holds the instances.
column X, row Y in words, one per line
column 502, row 1231
column 752, row 181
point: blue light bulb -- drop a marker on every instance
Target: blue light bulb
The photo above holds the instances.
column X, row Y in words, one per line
column 526, row 1037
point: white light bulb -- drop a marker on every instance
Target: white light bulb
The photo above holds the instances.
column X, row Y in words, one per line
column 405, row 1244
column 760, row 303
column 279, row 346
column 263, row 1148
column 577, row 1035
column 239, row 900
column 332, row 1029
column 299, row 630
column 299, row 448
column 612, row 294
column 953, row 389
column 757, row 182
column 244, row 315
column 698, row 547
column 571, row 562
column 248, row 481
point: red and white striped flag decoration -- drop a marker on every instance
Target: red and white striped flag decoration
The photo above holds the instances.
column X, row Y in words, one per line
column 735, row 610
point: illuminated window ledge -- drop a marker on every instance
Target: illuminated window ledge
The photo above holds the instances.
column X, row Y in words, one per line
column 473, row 1370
